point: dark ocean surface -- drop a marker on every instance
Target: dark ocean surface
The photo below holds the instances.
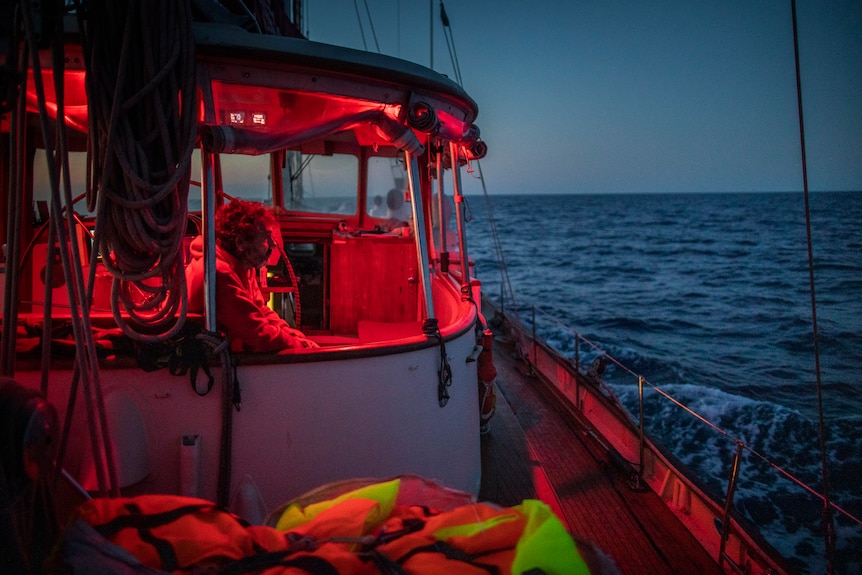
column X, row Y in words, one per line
column 707, row 296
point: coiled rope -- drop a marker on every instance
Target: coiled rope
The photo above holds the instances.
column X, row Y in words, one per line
column 141, row 92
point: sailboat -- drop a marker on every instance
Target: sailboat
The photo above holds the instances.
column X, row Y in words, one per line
column 121, row 137
column 97, row 324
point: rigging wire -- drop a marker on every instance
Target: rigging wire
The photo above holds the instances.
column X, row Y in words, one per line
column 17, row 132
column 370, row 24
column 450, row 43
column 86, row 362
column 359, row 21
column 827, row 517
column 505, row 283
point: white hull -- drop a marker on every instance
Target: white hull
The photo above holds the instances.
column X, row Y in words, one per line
column 301, row 425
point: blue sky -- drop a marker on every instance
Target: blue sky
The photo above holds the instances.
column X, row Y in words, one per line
column 629, row 96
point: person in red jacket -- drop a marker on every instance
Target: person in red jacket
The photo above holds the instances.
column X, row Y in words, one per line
column 244, row 242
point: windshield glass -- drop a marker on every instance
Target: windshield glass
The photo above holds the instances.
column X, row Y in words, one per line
column 246, row 177
column 387, row 184
column 322, row 184
column 42, row 185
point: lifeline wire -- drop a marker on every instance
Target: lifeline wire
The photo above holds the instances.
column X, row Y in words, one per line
column 579, row 337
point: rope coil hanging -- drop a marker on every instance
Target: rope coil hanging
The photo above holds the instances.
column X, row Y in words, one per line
column 141, row 91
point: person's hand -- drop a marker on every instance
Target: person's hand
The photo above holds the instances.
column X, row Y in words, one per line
column 305, row 342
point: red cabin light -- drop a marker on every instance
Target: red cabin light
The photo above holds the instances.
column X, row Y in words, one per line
column 74, row 97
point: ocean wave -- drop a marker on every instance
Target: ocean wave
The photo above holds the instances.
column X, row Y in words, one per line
column 712, row 292
column 766, row 497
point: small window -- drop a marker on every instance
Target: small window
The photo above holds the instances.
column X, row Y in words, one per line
column 387, row 189
column 323, row 184
column 42, row 184
column 246, row 177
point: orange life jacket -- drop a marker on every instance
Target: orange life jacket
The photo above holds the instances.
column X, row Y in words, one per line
column 361, row 532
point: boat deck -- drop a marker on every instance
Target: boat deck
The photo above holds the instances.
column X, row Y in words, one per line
column 538, row 450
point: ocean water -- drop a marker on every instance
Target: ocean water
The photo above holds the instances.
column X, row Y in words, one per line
column 707, row 297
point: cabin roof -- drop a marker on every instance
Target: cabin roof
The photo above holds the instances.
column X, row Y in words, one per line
column 279, row 92
column 226, row 41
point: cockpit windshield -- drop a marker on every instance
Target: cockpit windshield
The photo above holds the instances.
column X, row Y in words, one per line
column 321, row 184
column 312, row 183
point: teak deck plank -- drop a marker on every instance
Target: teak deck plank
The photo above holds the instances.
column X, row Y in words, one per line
column 536, row 450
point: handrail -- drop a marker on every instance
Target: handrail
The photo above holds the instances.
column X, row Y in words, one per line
column 742, row 445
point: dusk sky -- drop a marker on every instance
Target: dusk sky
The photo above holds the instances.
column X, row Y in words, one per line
column 632, row 96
